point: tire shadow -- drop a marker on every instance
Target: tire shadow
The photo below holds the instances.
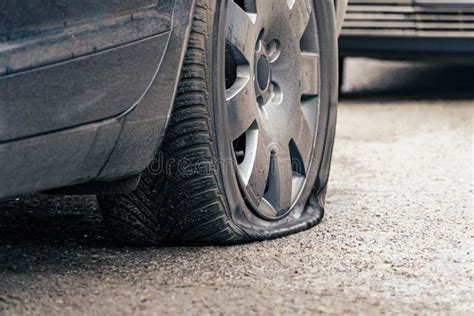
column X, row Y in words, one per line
column 52, row 220
column 50, row 235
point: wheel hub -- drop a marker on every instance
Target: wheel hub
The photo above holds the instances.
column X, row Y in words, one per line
column 272, row 99
column 263, row 72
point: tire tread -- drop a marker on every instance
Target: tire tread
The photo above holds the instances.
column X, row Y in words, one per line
column 176, row 207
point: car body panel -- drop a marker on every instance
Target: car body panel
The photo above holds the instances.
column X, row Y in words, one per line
column 79, row 91
column 122, row 92
column 59, row 71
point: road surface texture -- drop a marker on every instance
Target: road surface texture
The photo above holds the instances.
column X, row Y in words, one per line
column 397, row 237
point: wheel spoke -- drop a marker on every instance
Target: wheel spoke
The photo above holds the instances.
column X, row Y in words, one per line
column 280, row 181
column 309, row 74
column 241, row 103
column 303, row 141
column 258, row 177
column 300, row 14
column 267, row 9
column 285, row 175
column 241, row 31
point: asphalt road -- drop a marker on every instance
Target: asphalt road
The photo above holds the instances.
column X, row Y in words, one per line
column 397, row 238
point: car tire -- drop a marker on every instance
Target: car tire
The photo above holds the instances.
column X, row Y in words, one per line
column 196, row 190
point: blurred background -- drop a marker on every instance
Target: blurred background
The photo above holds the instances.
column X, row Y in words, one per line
column 434, row 37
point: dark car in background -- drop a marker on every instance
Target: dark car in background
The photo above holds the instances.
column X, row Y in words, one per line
column 203, row 121
column 426, row 30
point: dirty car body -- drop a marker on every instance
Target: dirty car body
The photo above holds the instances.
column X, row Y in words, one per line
column 82, row 98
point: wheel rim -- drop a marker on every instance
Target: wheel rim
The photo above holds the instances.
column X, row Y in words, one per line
column 272, row 86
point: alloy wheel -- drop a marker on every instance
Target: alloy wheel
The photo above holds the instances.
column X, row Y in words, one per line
column 272, row 87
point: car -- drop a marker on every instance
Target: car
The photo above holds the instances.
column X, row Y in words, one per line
column 420, row 30
column 193, row 121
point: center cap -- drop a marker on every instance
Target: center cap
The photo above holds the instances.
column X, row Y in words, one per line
column 263, row 72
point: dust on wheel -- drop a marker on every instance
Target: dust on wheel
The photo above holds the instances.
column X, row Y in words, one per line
column 273, row 100
column 257, row 103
